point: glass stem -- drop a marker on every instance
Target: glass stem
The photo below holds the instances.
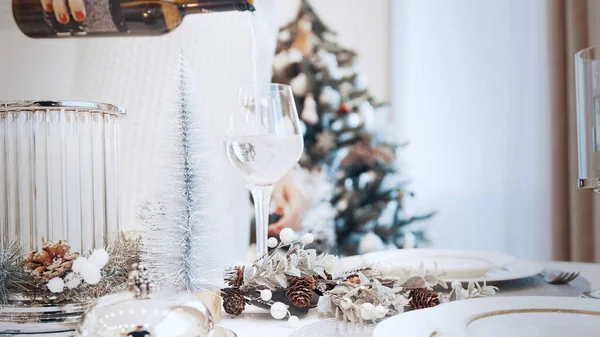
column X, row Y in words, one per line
column 262, row 202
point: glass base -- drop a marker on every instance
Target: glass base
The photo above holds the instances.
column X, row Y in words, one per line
column 55, row 320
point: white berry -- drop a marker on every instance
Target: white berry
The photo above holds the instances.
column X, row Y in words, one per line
column 278, row 310
column 272, row 242
column 99, row 258
column 266, row 295
column 72, row 280
column 78, row 264
column 287, row 236
column 293, row 321
column 56, row 285
column 367, row 311
column 380, row 311
column 91, row 273
column 308, row 238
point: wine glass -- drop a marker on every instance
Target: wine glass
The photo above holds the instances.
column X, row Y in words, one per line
column 264, row 142
column 587, row 80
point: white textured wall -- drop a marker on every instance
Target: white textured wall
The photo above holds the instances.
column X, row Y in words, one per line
column 363, row 26
column 470, row 93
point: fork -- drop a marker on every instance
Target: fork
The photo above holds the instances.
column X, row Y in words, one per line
column 558, row 277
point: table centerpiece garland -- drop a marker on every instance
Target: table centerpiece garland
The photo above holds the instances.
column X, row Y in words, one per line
column 54, row 274
column 290, row 280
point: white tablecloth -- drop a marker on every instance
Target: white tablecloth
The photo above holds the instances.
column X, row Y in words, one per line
column 259, row 323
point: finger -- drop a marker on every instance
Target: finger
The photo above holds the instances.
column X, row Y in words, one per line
column 60, row 11
column 279, row 202
column 47, row 5
column 290, row 220
column 274, row 230
column 78, row 10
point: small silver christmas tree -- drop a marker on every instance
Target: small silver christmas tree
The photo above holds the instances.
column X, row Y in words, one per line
column 180, row 238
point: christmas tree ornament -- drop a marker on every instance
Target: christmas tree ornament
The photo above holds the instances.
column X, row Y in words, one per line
column 284, row 36
column 345, row 89
column 361, row 82
column 344, row 109
column 299, row 85
column 367, row 112
column 330, row 98
column 328, row 62
column 305, row 40
column 370, row 243
column 345, row 122
column 280, row 62
column 409, row 241
column 309, row 111
column 366, row 178
column 302, row 127
column 326, row 141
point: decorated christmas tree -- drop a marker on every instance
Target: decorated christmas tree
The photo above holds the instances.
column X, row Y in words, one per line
column 338, row 113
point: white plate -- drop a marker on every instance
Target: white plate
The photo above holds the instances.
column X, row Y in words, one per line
column 526, row 316
column 515, row 270
column 457, row 264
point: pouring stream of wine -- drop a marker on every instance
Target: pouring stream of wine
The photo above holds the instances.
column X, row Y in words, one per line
column 252, row 22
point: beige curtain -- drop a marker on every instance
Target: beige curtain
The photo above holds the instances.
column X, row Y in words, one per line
column 576, row 213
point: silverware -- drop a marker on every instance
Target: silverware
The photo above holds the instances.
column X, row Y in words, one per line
column 558, row 277
column 592, row 294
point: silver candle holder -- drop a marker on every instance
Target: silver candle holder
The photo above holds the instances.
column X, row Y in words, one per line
column 59, row 180
column 60, row 173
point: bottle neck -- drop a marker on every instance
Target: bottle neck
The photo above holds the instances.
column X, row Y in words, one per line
column 212, row 6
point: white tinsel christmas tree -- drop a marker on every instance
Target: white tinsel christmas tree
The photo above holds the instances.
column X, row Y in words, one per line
column 181, row 244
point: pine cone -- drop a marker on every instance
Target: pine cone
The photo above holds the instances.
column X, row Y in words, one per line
column 235, row 276
column 52, row 260
column 354, row 279
column 300, row 290
column 234, row 301
column 422, row 298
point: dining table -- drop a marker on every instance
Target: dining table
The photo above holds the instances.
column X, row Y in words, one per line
column 255, row 322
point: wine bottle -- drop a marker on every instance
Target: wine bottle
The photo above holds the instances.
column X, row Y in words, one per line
column 86, row 18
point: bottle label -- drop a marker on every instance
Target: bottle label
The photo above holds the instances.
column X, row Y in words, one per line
column 99, row 17
column 103, row 17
